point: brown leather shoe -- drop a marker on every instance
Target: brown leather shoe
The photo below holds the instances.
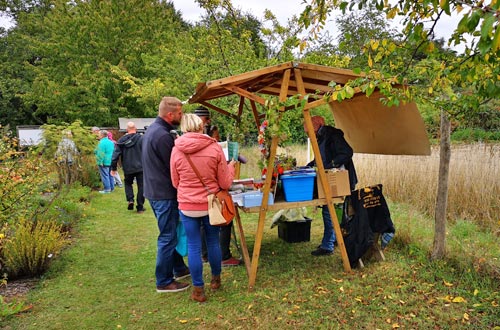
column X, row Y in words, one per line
column 215, row 282
column 198, row 294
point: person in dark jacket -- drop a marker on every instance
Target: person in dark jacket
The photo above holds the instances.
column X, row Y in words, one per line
column 129, row 150
column 335, row 153
column 157, row 144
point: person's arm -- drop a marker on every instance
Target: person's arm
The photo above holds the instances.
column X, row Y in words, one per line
column 115, row 158
column 173, row 169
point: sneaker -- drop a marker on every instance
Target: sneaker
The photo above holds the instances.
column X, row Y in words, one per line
column 204, row 259
column 141, row 211
column 172, row 287
column 130, row 206
column 104, row 191
column 231, row 262
column 182, row 275
column 321, row 252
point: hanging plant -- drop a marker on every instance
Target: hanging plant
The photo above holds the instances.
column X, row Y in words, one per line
column 271, row 127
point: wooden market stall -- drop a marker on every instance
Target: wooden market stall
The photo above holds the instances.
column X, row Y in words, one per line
column 368, row 125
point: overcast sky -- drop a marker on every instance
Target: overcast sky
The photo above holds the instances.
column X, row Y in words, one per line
column 283, row 9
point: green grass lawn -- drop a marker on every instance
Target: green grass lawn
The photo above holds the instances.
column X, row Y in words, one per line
column 105, row 280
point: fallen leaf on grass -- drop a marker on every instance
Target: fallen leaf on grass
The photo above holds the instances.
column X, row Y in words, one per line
column 183, row 321
column 447, row 283
column 451, row 299
column 458, row 300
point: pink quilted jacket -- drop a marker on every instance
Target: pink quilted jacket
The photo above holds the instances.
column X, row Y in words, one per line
column 209, row 159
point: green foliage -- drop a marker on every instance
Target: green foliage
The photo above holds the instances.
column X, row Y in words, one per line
column 475, row 134
column 23, row 177
column 30, row 248
column 10, row 308
column 74, row 48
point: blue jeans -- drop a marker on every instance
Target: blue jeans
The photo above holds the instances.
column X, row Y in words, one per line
column 168, row 261
column 192, row 227
column 328, row 233
column 106, row 178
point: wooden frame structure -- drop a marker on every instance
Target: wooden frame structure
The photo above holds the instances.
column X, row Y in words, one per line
column 289, row 79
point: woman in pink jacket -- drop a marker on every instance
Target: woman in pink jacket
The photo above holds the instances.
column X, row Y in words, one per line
column 207, row 156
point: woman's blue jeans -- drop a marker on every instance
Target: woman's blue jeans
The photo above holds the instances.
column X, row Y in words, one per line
column 168, row 260
column 192, row 227
column 106, row 178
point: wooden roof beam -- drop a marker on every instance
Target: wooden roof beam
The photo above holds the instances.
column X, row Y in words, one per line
column 244, row 93
column 219, row 110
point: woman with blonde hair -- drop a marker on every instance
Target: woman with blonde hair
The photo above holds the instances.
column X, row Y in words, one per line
column 208, row 158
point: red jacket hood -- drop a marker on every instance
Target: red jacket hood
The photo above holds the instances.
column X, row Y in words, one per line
column 190, row 143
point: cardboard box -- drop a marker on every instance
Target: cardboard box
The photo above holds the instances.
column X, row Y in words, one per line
column 339, row 184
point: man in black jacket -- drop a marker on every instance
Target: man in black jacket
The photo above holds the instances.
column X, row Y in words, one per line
column 129, row 150
column 157, row 145
column 335, row 153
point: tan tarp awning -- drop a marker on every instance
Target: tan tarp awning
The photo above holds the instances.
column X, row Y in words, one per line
column 369, row 126
column 372, row 128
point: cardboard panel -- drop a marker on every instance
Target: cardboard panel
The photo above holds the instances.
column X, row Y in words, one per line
column 373, row 128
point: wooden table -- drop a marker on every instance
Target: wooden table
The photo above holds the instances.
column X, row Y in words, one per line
column 251, row 264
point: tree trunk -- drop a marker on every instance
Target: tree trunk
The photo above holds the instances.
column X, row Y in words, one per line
column 439, row 247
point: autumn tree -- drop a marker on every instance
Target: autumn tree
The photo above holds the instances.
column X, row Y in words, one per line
column 79, row 49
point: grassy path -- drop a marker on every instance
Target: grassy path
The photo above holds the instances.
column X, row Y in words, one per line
column 106, row 281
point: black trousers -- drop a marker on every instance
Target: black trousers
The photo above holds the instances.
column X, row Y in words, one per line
column 129, row 189
column 224, row 241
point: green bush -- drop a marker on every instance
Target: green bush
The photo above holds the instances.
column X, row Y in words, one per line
column 30, row 248
column 474, row 135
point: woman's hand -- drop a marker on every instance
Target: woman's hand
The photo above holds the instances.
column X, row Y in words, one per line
column 232, row 163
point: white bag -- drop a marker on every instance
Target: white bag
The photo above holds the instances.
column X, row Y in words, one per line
column 214, row 211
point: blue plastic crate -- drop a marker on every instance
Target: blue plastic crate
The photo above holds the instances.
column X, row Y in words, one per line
column 298, row 187
column 251, row 199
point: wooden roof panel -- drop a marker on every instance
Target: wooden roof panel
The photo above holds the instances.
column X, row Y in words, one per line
column 268, row 81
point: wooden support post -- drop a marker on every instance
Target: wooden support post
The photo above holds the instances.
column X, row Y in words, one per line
column 243, row 242
column 321, row 174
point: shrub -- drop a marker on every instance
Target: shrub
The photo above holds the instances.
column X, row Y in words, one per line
column 24, row 177
column 475, row 134
column 29, row 250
